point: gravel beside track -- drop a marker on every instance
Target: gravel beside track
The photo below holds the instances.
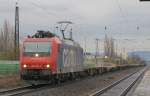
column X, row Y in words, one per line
column 8, row 81
column 84, row 87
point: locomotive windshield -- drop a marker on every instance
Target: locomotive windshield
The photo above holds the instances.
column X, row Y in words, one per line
column 41, row 48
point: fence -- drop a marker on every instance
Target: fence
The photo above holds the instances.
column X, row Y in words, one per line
column 9, row 67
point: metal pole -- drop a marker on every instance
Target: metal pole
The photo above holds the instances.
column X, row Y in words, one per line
column 97, row 50
column 85, row 44
column 16, row 45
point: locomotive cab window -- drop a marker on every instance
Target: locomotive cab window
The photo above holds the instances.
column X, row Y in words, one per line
column 37, row 48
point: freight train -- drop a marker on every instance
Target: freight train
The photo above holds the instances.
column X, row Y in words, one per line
column 45, row 58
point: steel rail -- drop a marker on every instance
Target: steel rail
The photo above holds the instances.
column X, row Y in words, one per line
column 102, row 91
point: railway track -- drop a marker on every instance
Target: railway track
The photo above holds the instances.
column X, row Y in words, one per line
column 20, row 90
column 29, row 89
column 122, row 86
column 14, row 91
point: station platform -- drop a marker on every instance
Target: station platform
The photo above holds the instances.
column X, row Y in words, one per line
column 143, row 89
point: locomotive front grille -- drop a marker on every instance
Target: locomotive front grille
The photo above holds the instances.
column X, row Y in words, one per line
column 35, row 74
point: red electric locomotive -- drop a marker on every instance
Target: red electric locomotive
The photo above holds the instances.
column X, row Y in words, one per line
column 44, row 58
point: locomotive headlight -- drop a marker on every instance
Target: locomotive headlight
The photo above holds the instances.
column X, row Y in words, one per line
column 36, row 55
column 25, row 65
column 47, row 66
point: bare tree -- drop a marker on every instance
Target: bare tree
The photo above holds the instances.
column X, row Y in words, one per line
column 6, row 41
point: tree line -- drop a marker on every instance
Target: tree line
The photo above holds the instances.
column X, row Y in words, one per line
column 7, row 35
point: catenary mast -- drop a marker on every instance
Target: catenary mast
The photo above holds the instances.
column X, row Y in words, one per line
column 16, row 42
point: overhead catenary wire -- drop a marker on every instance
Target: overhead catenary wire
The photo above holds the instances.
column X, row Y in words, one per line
column 44, row 9
column 137, row 27
column 123, row 14
column 37, row 5
column 47, row 12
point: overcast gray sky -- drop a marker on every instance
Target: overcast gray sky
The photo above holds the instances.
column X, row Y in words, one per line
column 89, row 17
